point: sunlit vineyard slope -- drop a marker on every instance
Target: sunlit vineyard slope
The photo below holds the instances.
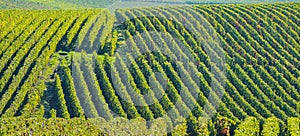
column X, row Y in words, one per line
column 74, row 62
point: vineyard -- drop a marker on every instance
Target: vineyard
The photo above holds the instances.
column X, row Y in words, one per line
column 76, row 4
column 240, row 63
column 53, row 4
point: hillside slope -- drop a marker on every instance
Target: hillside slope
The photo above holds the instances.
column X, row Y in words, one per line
column 94, row 64
column 79, row 4
column 53, row 4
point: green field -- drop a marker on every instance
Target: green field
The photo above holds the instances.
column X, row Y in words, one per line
column 67, row 67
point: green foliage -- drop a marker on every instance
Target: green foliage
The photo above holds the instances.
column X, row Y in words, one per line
column 61, row 103
column 202, row 126
column 258, row 42
column 53, row 113
column 271, row 127
column 52, row 126
column 180, row 128
column 71, row 95
column 54, row 4
column 298, row 107
column 137, row 126
column 107, row 88
column 83, row 92
column 293, row 126
column 249, row 127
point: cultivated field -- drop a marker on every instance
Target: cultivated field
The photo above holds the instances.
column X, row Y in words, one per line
column 197, row 69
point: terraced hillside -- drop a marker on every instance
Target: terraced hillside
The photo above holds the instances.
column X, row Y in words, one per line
column 236, row 61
